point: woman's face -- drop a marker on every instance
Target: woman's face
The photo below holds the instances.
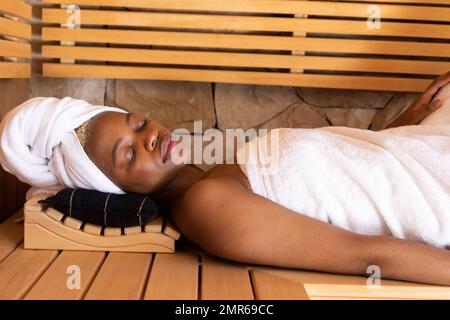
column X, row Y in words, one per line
column 127, row 149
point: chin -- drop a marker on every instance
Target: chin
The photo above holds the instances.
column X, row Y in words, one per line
column 176, row 168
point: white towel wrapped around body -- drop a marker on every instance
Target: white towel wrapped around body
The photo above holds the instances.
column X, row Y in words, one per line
column 38, row 144
column 391, row 182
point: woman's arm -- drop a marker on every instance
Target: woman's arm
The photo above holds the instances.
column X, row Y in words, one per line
column 423, row 106
column 227, row 220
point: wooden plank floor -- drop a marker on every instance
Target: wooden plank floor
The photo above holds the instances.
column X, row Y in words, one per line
column 188, row 274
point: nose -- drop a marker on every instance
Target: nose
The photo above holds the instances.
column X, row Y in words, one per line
column 151, row 140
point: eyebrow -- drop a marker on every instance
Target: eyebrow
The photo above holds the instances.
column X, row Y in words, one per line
column 127, row 118
column 116, row 145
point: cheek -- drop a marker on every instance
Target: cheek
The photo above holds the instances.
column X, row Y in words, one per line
column 145, row 176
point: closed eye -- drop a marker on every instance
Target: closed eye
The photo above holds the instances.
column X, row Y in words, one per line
column 133, row 155
column 144, row 125
column 133, row 150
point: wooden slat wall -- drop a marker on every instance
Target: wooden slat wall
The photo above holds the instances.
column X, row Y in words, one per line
column 252, row 41
column 15, row 56
column 15, row 33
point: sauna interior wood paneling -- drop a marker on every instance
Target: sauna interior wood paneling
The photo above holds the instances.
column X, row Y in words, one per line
column 12, row 192
column 15, row 33
column 251, row 41
column 15, row 55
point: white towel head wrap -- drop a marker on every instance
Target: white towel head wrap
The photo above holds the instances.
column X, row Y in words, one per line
column 38, row 145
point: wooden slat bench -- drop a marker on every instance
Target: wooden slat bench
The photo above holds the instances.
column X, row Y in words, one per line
column 15, row 32
column 269, row 42
column 189, row 273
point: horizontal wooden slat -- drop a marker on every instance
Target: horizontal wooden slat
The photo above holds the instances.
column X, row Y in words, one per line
column 14, row 70
column 246, row 60
column 343, row 290
column 171, row 231
column 277, row 7
column 322, row 285
column 54, row 214
column 14, row 28
column 92, row 229
column 112, row 232
column 243, row 77
column 132, row 230
column 154, row 226
column 73, row 223
column 16, row 8
column 223, row 22
column 444, row 2
column 232, row 41
column 15, row 49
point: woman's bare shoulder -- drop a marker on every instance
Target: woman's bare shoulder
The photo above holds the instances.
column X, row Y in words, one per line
column 213, row 187
column 228, row 172
column 207, row 192
column 222, row 180
column 203, row 197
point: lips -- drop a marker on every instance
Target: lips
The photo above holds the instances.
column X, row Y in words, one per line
column 166, row 147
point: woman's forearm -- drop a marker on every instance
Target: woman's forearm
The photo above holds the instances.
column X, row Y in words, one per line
column 258, row 231
column 407, row 260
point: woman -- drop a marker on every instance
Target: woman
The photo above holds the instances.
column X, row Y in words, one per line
column 219, row 210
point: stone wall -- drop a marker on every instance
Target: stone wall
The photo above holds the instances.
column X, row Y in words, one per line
column 222, row 106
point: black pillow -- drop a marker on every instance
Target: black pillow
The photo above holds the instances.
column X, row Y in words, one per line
column 105, row 209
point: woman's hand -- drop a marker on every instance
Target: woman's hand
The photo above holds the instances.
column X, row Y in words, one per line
column 423, row 106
